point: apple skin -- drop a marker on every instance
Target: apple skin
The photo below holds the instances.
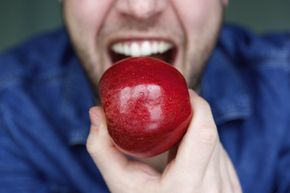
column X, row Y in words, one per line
column 146, row 104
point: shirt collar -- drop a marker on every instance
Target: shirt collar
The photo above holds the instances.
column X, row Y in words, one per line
column 77, row 99
column 222, row 86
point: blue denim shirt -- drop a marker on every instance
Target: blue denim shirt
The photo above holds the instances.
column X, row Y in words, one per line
column 45, row 97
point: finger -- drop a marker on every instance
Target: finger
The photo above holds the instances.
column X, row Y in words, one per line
column 108, row 159
column 227, row 181
column 217, row 173
column 200, row 140
column 235, row 182
column 213, row 174
column 119, row 172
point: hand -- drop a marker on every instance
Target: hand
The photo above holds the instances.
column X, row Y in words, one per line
column 200, row 165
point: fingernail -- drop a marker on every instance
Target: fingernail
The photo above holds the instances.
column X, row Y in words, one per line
column 94, row 117
column 192, row 93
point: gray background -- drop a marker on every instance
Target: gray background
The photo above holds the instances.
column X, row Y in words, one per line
column 21, row 19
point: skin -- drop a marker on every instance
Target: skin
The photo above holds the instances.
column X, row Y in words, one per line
column 192, row 25
column 199, row 163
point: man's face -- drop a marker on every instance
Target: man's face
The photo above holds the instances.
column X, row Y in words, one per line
column 181, row 32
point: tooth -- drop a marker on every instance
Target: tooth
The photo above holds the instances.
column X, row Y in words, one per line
column 166, row 46
column 154, row 47
column 135, row 49
column 126, row 50
column 160, row 47
column 116, row 48
column 146, row 48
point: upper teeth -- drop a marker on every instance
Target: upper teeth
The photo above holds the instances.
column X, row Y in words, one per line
column 141, row 48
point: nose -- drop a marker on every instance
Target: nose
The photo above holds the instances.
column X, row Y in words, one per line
column 141, row 9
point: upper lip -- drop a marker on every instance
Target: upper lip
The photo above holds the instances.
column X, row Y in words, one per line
column 133, row 35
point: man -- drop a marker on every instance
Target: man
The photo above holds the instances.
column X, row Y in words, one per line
column 45, row 97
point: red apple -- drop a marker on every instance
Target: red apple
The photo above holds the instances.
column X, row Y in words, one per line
column 146, row 104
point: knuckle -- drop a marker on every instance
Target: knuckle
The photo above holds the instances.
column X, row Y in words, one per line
column 205, row 104
column 91, row 145
column 237, row 188
column 209, row 136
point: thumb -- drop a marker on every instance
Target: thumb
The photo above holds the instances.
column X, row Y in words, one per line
column 199, row 142
column 108, row 159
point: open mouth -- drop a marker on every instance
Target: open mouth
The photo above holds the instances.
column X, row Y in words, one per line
column 160, row 49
